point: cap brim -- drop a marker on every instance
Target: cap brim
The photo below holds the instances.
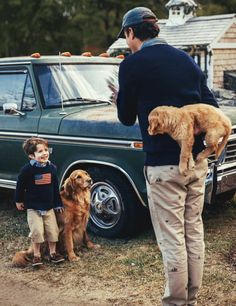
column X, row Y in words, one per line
column 121, row 34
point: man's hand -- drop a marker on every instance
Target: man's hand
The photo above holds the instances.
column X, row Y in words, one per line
column 114, row 90
column 20, row 206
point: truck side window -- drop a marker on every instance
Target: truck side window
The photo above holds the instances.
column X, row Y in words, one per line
column 16, row 87
column 12, row 86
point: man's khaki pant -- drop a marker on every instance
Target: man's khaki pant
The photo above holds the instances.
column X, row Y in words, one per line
column 176, row 204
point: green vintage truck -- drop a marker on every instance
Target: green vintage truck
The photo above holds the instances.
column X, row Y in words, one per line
column 70, row 101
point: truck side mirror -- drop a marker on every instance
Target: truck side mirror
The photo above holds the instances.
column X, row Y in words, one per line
column 11, row 109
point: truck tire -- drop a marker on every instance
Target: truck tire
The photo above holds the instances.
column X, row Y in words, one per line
column 115, row 209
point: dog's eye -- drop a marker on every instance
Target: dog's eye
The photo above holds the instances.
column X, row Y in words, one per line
column 78, row 177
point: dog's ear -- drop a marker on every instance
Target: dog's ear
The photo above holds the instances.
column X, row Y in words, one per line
column 68, row 188
column 153, row 124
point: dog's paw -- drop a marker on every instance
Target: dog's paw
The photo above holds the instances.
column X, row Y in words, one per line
column 183, row 170
column 73, row 258
column 191, row 164
column 96, row 246
column 91, row 245
column 199, row 157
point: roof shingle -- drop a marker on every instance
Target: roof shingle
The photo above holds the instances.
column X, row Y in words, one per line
column 202, row 30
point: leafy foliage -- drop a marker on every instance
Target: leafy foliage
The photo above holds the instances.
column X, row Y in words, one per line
column 53, row 26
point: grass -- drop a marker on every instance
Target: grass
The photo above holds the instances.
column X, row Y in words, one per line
column 129, row 272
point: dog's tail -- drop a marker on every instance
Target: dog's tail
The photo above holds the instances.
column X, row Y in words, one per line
column 223, row 143
column 22, row 258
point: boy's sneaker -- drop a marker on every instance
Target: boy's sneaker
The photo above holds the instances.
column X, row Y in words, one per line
column 56, row 258
column 37, row 261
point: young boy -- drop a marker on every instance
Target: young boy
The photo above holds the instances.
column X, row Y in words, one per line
column 37, row 191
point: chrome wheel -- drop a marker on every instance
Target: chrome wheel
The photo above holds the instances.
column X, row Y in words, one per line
column 106, row 207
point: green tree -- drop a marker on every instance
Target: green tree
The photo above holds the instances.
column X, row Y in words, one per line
column 215, row 7
column 103, row 19
column 53, row 26
column 45, row 26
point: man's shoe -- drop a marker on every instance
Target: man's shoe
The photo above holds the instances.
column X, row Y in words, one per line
column 37, row 261
column 56, row 258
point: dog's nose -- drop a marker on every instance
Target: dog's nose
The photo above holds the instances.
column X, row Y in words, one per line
column 90, row 181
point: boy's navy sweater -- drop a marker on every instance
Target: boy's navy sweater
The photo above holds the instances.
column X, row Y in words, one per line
column 154, row 76
column 37, row 187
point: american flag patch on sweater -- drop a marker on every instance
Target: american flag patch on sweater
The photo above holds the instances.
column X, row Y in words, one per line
column 42, row 179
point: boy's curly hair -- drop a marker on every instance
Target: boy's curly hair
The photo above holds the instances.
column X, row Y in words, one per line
column 30, row 144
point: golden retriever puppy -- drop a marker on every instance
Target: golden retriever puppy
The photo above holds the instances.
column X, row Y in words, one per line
column 73, row 221
column 182, row 123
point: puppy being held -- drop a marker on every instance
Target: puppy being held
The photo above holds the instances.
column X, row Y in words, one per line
column 182, row 123
column 72, row 221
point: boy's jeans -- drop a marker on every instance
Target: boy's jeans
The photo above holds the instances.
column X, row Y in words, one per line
column 176, row 204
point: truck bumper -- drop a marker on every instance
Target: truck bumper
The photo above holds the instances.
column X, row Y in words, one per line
column 220, row 179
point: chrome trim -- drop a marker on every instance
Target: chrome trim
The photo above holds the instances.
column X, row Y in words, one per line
column 99, row 141
column 81, row 140
column 225, row 166
column 105, row 164
column 13, row 71
column 232, row 137
column 14, row 63
column 7, row 184
column 221, row 175
column 15, row 134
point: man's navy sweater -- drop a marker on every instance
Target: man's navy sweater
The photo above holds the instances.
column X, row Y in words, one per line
column 154, row 76
column 37, row 187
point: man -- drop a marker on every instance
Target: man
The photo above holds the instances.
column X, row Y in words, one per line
column 158, row 74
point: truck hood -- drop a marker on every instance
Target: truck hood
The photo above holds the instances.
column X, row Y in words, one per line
column 98, row 122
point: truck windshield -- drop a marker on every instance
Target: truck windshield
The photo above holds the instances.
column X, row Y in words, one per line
column 77, row 83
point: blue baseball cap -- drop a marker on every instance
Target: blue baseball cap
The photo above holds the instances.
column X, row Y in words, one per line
column 135, row 16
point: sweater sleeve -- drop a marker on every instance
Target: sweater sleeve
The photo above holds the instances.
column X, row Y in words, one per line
column 127, row 96
column 207, row 96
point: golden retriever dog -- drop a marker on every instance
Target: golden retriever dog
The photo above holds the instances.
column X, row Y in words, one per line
column 185, row 122
column 72, row 221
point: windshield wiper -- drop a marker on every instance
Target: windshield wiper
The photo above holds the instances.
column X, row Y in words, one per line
column 79, row 99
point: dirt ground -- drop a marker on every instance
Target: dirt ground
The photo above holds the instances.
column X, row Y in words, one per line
column 122, row 272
